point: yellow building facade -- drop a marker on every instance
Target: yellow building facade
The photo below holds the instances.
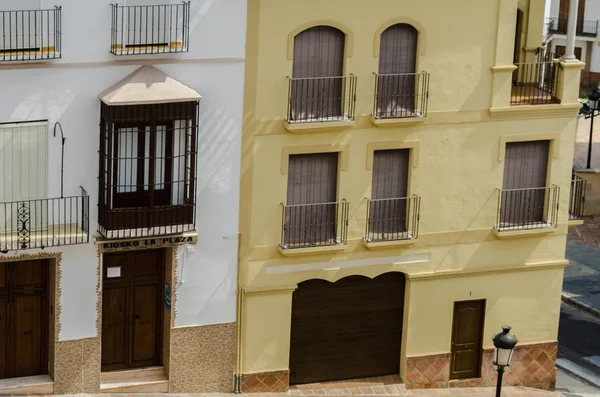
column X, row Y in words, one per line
column 430, row 270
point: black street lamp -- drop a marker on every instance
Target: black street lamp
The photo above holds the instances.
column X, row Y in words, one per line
column 505, row 345
column 591, row 110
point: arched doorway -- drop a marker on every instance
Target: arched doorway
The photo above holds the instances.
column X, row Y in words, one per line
column 348, row 329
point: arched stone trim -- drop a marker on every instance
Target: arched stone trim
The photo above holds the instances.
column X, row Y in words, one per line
column 349, row 36
column 409, row 21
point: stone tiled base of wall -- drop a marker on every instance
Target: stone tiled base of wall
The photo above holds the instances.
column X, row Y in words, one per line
column 265, row 382
column 532, row 365
column 202, row 358
column 77, row 366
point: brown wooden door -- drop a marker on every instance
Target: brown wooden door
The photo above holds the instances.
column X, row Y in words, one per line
column 348, row 329
column 23, row 318
column 467, row 339
column 561, row 50
column 563, row 15
column 132, row 305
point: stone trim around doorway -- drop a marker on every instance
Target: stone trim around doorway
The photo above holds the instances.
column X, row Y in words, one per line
column 266, row 382
column 532, row 365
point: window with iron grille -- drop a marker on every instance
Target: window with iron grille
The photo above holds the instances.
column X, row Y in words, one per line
column 148, row 169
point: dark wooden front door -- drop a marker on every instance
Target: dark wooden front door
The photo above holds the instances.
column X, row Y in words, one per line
column 132, row 305
column 23, row 318
column 348, row 329
column 467, row 339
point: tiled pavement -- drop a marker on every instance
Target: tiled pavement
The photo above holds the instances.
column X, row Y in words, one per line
column 582, row 276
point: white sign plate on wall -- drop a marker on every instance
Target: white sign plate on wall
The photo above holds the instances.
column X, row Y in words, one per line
column 113, row 272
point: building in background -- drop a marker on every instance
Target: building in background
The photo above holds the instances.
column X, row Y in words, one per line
column 405, row 192
column 120, row 136
column 587, row 44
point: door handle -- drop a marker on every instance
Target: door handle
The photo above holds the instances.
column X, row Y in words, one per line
column 137, row 317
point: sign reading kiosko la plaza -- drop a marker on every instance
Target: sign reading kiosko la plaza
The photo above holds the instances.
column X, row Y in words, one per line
column 150, row 242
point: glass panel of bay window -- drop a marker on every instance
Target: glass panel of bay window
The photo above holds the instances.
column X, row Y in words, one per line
column 127, row 160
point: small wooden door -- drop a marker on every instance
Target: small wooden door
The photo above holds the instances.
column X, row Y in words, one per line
column 467, row 339
column 23, row 318
column 132, row 306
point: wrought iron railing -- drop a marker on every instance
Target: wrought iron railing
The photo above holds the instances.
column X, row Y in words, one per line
column 314, row 225
column 535, row 83
column 558, row 25
column 321, row 99
column 393, row 219
column 577, row 197
column 30, row 34
column 150, row 29
column 44, row 223
column 533, row 208
column 401, row 95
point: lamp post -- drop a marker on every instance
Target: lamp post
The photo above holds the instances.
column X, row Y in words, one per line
column 591, row 110
column 504, row 343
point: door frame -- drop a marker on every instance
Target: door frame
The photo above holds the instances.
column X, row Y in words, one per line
column 52, row 303
column 165, row 322
column 479, row 343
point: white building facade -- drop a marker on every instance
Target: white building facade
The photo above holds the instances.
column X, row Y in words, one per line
column 587, row 47
column 120, row 139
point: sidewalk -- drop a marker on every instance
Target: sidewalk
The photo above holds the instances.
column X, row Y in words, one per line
column 581, row 285
column 476, row 391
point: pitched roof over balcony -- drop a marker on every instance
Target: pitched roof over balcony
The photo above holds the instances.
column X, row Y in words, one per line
column 148, row 85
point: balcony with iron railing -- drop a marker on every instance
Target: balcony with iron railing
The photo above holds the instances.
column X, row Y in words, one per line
column 536, row 83
column 27, row 35
column 577, row 198
column 521, row 210
column 42, row 223
column 390, row 220
column 400, row 96
column 314, row 225
column 150, row 29
column 584, row 28
column 321, row 100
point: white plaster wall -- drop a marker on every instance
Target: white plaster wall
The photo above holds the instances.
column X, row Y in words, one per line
column 66, row 91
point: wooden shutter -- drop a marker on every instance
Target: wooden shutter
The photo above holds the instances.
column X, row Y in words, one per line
column 312, row 192
column 397, row 65
column 387, row 215
column 318, row 53
column 525, row 168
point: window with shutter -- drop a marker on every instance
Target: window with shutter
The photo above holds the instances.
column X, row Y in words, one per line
column 311, row 199
column 524, row 185
column 318, row 69
column 397, row 67
column 389, row 202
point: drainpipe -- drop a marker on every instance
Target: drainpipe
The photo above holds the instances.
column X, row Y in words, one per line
column 571, row 32
column 240, row 292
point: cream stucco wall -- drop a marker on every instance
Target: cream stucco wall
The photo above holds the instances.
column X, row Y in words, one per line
column 456, row 168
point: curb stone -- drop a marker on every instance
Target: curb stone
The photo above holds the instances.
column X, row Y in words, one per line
column 567, row 298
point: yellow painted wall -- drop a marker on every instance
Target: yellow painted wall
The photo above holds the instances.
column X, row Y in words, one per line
column 458, row 171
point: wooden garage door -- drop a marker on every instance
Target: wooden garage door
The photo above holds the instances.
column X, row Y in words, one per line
column 348, row 329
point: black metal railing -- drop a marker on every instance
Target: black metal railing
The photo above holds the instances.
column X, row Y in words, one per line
column 44, row 223
column 314, row 225
column 401, row 95
column 558, row 25
column 321, row 99
column 534, row 208
column 577, row 197
column 535, row 83
column 30, row 34
column 393, row 219
column 150, row 29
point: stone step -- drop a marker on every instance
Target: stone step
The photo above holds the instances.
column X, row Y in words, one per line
column 41, row 384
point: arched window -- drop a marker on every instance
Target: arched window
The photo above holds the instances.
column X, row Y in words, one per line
column 317, row 74
column 397, row 82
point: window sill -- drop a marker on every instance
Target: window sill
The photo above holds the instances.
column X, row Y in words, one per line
column 396, row 122
column 311, row 250
column 174, row 47
column 375, row 245
column 309, row 126
column 532, row 111
column 521, row 232
column 575, row 222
